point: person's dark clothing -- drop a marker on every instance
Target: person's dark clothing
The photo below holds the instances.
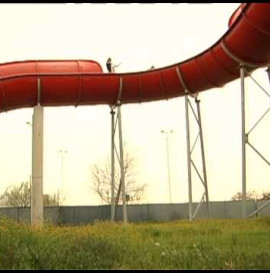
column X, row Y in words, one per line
column 109, row 65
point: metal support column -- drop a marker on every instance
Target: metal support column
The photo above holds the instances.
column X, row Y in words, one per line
column 122, row 164
column 112, row 165
column 242, row 74
column 37, row 164
column 246, row 141
column 190, row 162
column 188, row 159
column 203, row 156
column 114, row 201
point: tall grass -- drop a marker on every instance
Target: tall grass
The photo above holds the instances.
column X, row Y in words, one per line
column 202, row 244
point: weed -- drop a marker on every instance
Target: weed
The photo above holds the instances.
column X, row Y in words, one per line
column 202, row 244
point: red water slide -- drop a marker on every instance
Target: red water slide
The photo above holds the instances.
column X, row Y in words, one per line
column 63, row 83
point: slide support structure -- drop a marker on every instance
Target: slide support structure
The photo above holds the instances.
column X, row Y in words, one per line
column 120, row 156
column 37, row 164
column 112, row 163
column 246, row 140
column 203, row 156
column 190, row 162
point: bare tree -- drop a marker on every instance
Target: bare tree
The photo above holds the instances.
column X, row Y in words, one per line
column 252, row 195
column 17, row 196
column 51, row 200
column 20, row 196
column 265, row 196
column 102, row 181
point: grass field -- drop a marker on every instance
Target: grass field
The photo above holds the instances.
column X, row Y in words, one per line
column 202, row 244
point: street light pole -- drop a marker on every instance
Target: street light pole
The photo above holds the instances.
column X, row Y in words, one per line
column 62, row 153
column 30, row 175
column 168, row 160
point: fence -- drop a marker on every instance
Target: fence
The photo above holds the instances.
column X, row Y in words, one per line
column 136, row 213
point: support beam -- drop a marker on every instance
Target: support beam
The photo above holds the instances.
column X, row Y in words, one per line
column 244, row 140
column 189, row 151
column 267, row 203
column 112, row 166
column 114, row 201
column 203, row 178
column 190, row 213
column 122, row 165
column 203, row 157
column 37, row 164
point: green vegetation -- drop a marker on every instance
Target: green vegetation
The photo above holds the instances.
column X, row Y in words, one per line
column 203, row 244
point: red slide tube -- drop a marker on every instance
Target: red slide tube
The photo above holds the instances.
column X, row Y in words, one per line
column 81, row 82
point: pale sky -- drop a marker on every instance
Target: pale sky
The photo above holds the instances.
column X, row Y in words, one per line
column 139, row 36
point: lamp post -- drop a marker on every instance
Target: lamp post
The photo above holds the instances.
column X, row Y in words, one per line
column 62, row 153
column 168, row 160
column 30, row 176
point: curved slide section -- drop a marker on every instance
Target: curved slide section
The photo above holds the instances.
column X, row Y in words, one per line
column 64, row 83
column 236, row 14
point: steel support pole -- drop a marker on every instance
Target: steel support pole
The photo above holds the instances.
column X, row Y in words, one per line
column 112, row 165
column 244, row 140
column 37, row 164
column 203, row 157
column 122, row 165
column 188, row 158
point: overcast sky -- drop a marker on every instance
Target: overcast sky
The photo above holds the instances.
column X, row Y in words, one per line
column 138, row 36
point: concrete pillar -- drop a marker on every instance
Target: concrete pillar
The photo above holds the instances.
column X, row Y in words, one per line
column 37, row 168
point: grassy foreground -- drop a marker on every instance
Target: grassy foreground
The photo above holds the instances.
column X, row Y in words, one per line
column 203, row 244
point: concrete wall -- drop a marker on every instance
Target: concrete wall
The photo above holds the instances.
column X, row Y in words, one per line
column 136, row 213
